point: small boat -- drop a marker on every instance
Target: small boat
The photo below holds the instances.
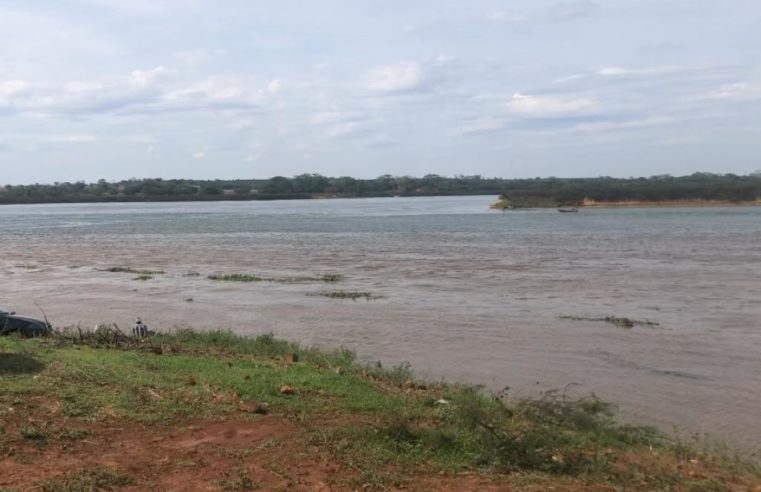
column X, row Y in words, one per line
column 568, row 210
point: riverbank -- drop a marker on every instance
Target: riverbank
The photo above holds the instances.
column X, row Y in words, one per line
column 669, row 203
column 206, row 411
column 502, row 204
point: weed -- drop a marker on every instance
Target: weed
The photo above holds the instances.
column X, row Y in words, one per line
column 88, row 480
column 620, row 322
column 73, row 434
column 343, row 294
column 133, row 270
column 32, row 433
column 237, row 277
column 238, row 480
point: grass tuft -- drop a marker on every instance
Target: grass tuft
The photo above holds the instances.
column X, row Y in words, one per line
column 32, row 433
column 237, row 480
column 88, row 480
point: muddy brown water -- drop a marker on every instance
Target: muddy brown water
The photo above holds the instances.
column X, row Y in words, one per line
column 468, row 294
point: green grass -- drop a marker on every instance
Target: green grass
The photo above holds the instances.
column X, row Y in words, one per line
column 88, row 480
column 238, row 480
column 380, row 422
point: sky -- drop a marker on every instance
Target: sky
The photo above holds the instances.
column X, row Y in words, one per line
column 114, row 89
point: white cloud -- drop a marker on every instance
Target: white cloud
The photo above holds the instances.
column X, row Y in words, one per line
column 145, row 78
column 741, row 91
column 399, row 77
column 83, row 86
column 199, row 154
column 550, row 105
column 616, row 71
column 625, row 125
column 572, row 10
column 333, row 115
column 344, row 129
column 505, row 17
column 569, row 78
column 137, row 138
column 194, row 58
column 230, row 91
column 11, row 88
column 336, row 122
column 444, row 58
column 70, row 138
column 481, row 126
column 275, row 86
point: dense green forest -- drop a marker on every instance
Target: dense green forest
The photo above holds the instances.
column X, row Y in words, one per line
column 537, row 192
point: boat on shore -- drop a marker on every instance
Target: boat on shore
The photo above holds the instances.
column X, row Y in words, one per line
column 568, row 210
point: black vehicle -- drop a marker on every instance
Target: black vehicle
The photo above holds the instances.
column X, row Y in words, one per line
column 27, row 327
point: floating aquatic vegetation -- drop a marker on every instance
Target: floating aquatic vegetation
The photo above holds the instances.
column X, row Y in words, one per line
column 133, row 270
column 620, row 322
column 237, row 277
column 344, row 294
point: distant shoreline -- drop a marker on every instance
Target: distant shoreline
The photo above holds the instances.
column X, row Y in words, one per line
column 500, row 205
column 671, row 204
column 232, row 198
column 514, row 193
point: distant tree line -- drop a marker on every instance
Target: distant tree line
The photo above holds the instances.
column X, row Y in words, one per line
column 522, row 192
column 551, row 192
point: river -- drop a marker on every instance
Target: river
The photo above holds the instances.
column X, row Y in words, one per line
column 465, row 293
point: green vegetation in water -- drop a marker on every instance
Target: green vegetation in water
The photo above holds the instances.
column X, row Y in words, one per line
column 331, row 278
column 247, row 277
column 620, row 322
column 345, row 294
column 133, row 270
column 143, row 277
column 237, row 277
column 381, row 426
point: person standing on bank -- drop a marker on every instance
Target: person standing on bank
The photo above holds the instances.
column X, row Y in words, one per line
column 140, row 329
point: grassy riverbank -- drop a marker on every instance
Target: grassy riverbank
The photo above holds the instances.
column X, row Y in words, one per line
column 215, row 411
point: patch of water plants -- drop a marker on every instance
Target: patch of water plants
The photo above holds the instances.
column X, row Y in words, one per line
column 615, row 320
column 136, row 271
column 345, row 294
column 247, row 277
